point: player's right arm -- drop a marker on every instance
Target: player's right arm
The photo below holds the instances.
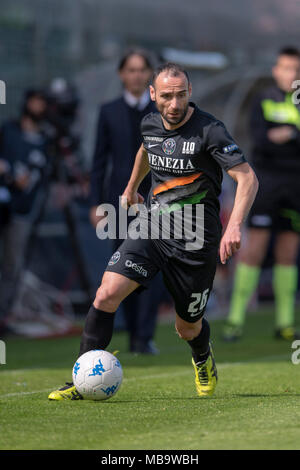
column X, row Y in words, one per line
column 247, row 187
column 140, row 170
column 226, row 152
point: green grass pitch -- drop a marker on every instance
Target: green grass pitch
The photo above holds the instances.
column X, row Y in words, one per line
column 255, row 406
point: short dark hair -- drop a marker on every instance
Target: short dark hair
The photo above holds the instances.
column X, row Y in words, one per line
column 135, row 51
column 173, row 69
column 34, row 93
column 290, row 51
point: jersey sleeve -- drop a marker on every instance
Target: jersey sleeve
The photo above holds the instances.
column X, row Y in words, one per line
column 222, row 147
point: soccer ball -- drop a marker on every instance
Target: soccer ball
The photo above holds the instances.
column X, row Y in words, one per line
column 97, row 375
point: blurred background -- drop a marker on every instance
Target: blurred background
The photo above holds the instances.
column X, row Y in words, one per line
column 71, row 49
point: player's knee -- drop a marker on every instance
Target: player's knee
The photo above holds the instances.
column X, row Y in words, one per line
column 106, row 299
column 188, row 333
column 286, row 257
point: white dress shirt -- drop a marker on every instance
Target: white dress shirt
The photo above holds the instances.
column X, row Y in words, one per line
column 140, row 103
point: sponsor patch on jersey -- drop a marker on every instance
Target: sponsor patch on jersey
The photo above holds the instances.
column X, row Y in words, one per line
column 114, row 259
column 230, row 148
column 188, row 148
column 153, row 138
column 169, row 146
column 139, row 269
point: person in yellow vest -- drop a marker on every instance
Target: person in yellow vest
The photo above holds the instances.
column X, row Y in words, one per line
column 275, row 130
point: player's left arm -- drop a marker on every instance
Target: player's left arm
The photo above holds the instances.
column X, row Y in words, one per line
column 247, row 187
column 140, row 169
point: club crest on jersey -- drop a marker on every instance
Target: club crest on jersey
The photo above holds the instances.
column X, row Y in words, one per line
column 114, row 259
column 169, row 146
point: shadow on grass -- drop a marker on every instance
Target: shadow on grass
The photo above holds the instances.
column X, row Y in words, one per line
column 188, row 399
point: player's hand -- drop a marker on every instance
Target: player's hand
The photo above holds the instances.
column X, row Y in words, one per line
column 129, row 198
column 230, row 242
column 281, row 134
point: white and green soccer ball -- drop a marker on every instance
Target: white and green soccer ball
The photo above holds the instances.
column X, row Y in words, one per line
column 97, row 375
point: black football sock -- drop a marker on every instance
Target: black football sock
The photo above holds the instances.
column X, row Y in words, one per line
column 98, row 330
column 200, row 344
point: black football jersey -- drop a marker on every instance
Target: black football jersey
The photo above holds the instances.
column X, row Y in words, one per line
column 180, row 158
column 186, row 163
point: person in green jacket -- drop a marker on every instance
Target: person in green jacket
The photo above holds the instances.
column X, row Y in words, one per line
column 275, row 130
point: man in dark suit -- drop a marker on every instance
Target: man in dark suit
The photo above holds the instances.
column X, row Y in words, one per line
column 117, row 141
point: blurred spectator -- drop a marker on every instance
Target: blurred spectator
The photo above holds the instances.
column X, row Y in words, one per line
column 64, row 138
column 275, row 130
column 5, row 192
column 24, row 168
column 118, row 139
column 69, row 179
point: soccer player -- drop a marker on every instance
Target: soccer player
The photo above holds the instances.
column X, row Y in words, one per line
column 185, row 149
column 275, row 129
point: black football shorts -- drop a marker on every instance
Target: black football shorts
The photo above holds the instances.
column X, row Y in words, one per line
column 277, row 204
column 188, row 276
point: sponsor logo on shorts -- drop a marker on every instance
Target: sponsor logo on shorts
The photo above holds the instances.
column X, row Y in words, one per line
column 136, row 267
column 114, row 259
column 169, row 146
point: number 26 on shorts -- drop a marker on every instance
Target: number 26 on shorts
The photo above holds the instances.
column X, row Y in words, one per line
column 198, row 303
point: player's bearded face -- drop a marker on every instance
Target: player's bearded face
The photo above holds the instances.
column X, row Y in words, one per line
column 173, row 114
column 172, row 98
